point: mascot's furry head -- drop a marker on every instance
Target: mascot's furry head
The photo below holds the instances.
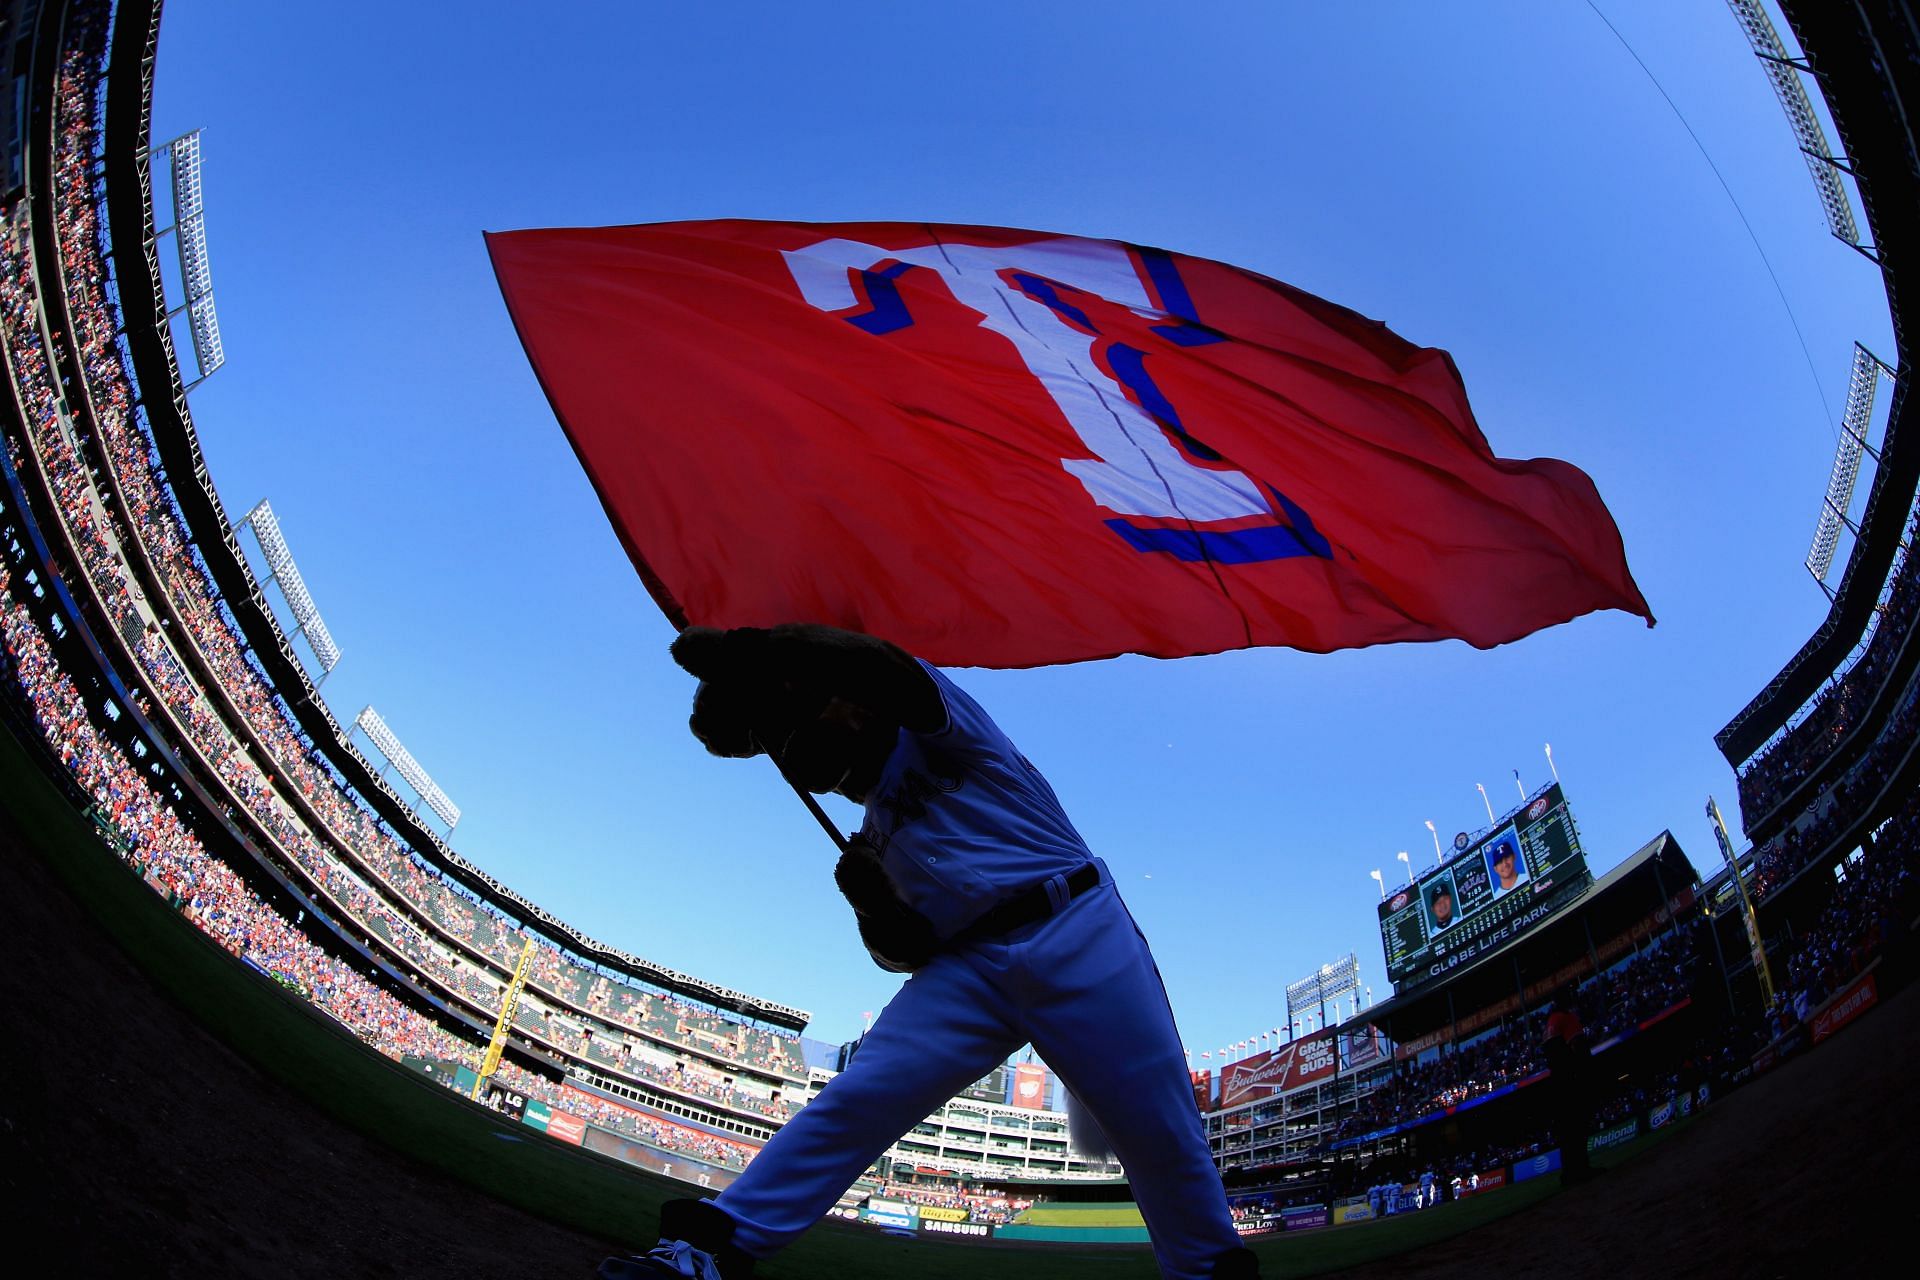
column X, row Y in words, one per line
column 754, row 697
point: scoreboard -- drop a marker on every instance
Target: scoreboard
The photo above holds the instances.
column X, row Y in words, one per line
column 1515, row 875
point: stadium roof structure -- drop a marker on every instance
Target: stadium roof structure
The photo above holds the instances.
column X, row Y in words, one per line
column 1861, row 54
column 163, row 394
column 1644, row 893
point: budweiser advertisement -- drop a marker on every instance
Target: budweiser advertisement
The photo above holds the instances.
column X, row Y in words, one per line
column 1291, row 1066
column 1011, row 448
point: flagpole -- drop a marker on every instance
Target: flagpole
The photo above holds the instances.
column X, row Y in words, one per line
column 1483, row 800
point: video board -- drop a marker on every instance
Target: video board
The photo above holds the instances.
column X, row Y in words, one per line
column 1490, row 890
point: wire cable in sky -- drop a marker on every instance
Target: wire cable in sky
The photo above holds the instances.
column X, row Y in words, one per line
column 1819, row 388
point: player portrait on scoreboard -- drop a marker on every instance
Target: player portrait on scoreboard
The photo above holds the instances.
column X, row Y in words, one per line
column 1440, row 904
column 1507, row 863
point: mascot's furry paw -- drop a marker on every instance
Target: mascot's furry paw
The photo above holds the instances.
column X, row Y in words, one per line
column 898, row 938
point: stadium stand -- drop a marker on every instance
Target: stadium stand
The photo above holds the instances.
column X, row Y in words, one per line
column 144, row 585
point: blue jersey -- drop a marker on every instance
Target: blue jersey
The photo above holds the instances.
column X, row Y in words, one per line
column 961, row 819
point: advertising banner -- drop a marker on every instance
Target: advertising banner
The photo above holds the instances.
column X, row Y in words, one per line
column 1364, row 1048
column 1354, row 1210
column 1313, row 1060
column 1291, row 1066
column 1849, row 1003
column 1202, row 1090
column 943, row 1227
column 941, row 1213
column 1625, row 1131
column 1258, row 1076
column 506, row 1101
column 536, row 1114
column 567, row 1127
column 673, row 1164
column 1029, row 1086
column 1661, row 1116
column 1302, row 1218
column 1490, row 1179
column 891, row 1213
column 1538, row 1166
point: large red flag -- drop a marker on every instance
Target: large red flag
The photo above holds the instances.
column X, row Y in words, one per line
column 1008, row 448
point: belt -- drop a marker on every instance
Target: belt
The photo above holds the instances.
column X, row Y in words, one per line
column 1030, row 905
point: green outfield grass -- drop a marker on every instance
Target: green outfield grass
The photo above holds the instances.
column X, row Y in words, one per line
column 321, row 1061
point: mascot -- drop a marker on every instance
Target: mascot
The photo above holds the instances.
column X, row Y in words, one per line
column 967, row 875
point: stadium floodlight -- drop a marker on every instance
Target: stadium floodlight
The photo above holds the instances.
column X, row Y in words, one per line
column 190, row 239
column 1784, row 74
column 409, row 768
column 286, row 574
column 1327, row 984
column 1863, row 385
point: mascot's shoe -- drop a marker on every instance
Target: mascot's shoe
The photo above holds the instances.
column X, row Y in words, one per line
column 696, row 1243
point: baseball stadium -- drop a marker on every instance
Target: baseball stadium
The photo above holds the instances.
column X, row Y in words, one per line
column 267, row 1019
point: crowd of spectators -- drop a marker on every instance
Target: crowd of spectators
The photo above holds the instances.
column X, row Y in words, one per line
column 151, row 833
column 1783, row 766
column 1873, row 907
column 1782, row 858
column 160, row 847
column 1612, row 1002
column 307, row 781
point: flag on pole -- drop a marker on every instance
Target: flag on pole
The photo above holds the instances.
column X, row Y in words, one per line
column 1011, row 448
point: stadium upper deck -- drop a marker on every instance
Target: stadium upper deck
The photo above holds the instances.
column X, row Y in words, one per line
column 149, row 347
column 1863, row 55
column 145, row 592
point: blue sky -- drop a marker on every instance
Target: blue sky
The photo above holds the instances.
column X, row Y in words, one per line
column 1500, row 180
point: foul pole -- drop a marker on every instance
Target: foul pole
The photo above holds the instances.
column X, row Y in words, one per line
column 508, row 1004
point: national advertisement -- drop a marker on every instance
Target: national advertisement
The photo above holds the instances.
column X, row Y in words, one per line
column 891, row 1213
column 1306, row 1216
column 1625, row 1131
column 946, row 1227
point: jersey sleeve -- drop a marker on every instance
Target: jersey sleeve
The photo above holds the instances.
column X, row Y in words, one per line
column 969, row 730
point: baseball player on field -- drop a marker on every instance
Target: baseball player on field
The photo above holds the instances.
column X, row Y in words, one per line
column 967, row 874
